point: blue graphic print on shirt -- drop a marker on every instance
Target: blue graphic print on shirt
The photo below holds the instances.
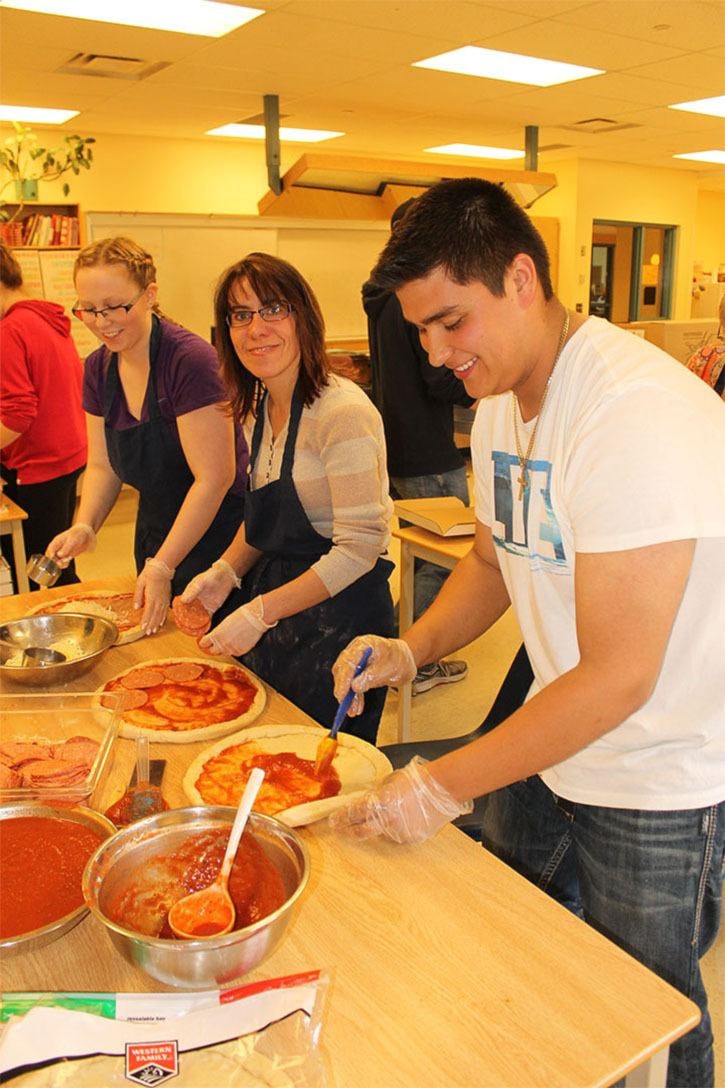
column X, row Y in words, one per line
column 529, row 527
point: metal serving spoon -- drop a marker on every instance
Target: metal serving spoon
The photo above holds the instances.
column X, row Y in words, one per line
column 210, row 912
column 41, row 655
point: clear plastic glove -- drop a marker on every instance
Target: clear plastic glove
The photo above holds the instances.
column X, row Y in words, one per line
column 74, row 541
column 410, row 805
column 239, row 632
column 391, row 662
column 153, row 594
column 212, row 587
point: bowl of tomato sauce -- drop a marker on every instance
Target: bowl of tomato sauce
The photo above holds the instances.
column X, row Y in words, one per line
column 134, row 878
column 43, row 853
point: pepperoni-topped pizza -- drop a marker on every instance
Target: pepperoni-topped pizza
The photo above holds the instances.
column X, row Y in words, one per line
column 291, row 790
column 116, row 607
column 184, row 699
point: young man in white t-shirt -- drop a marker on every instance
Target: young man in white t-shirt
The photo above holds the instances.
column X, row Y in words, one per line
column 599, row 467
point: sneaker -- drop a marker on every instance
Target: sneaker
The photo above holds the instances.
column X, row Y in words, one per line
column 441, row 672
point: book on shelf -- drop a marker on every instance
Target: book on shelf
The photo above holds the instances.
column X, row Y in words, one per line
column 446, row 516
column 41, row 230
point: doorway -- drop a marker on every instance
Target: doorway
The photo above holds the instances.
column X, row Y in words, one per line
column 601, row 282
column 631, row 273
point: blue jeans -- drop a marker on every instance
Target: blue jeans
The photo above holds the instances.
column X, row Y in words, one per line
column 429, row 577
column 650, row 881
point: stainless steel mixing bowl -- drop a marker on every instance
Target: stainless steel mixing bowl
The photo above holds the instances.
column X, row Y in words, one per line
column 38, row 938
column 213, row 961
column 93, row 633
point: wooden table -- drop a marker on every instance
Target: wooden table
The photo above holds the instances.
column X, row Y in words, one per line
column 11, row 521
column 448, row 969
column 446, row 551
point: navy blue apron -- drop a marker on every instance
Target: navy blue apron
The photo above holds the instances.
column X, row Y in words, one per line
column 297, row 655
column 149, row 457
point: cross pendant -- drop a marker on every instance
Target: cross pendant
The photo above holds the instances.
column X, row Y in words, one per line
column 523, row 482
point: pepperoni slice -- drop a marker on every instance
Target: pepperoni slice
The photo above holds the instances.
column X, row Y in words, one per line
column 184, row 671
column 193, row 619
column 142, row 678
column 128, row 699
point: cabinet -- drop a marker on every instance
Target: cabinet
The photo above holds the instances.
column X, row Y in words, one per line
column 42, row 226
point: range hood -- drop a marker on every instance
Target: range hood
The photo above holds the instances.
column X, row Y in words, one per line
column 322, row 186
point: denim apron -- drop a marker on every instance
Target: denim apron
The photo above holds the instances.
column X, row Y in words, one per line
column 149, row 457
column 297, row 655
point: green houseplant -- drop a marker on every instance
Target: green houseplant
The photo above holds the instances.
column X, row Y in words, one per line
column 23, row 163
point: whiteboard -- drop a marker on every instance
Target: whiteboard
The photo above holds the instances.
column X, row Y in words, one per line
column 192, row 251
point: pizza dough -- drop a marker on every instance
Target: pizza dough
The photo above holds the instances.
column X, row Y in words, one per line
column 185, row 699
column 359, row 765
column 116, row 607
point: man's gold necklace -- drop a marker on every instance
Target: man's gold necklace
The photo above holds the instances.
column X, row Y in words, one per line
column 524, row 458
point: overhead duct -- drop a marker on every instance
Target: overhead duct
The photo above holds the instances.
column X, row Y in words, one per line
column 338, row 187
column 271, row 142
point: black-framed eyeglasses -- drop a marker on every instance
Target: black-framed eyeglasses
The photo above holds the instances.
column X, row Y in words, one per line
column 114, row 311
column 274, row 311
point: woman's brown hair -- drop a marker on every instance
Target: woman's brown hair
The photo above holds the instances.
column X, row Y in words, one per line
column 272, row 280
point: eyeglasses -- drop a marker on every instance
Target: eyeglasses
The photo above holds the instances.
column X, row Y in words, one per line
column 275, row 311
column 112, row 311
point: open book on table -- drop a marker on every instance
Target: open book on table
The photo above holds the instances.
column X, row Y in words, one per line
column 445, row 516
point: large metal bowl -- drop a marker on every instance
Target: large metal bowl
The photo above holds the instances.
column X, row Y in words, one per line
column 213, row 961
column 93, row 634
column 38, row 938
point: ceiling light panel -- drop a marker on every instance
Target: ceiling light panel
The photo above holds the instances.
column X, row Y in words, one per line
column 471, row 60
column 257, row 132
column 713, row 107
column 207, row 18
column 704, row 156
column 36, row 115
column 477, row 151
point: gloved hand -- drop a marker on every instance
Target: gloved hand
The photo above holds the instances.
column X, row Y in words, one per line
column 391, row 662
column 212, row 586
column 153, row 594
column 410, row 805
column 74, row 541
column 239, row 632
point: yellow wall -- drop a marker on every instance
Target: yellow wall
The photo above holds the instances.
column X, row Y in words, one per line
column 709, row 248
column 219, row 177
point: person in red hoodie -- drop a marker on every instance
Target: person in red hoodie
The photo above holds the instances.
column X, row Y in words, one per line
column 42, row 425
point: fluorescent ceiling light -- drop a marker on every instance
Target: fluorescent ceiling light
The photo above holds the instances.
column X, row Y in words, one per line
column 714, row 107
column 204, row 17
column 471, row 60
column 476, row 150
column 704, row 156
column 36, row 114
column 257, row 132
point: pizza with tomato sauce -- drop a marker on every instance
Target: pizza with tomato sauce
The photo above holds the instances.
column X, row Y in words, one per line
column 116, row 607
column 291, row 790
column 184, row 699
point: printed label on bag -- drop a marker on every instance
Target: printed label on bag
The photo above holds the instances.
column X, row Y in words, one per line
column 151, row 1063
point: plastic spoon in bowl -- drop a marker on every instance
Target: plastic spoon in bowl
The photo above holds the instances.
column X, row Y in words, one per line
column 210, row 911
column 328, row 745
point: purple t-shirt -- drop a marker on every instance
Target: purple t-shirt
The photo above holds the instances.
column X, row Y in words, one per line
column 187, row 378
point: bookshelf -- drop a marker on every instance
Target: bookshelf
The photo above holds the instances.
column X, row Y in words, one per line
column 42, row 226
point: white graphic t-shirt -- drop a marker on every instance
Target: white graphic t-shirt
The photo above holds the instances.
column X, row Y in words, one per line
column 629, row 452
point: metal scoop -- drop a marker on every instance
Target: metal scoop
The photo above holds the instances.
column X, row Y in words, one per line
column 210, row 912
column 43, row 570
column 41, row 655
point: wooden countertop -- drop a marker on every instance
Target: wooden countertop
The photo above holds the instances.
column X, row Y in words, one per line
column 448, row 969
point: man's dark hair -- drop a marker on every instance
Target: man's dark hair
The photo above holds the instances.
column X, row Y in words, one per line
column 470, row 228
column 11, row 275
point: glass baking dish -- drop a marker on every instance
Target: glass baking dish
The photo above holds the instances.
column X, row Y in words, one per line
column 50, row 720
